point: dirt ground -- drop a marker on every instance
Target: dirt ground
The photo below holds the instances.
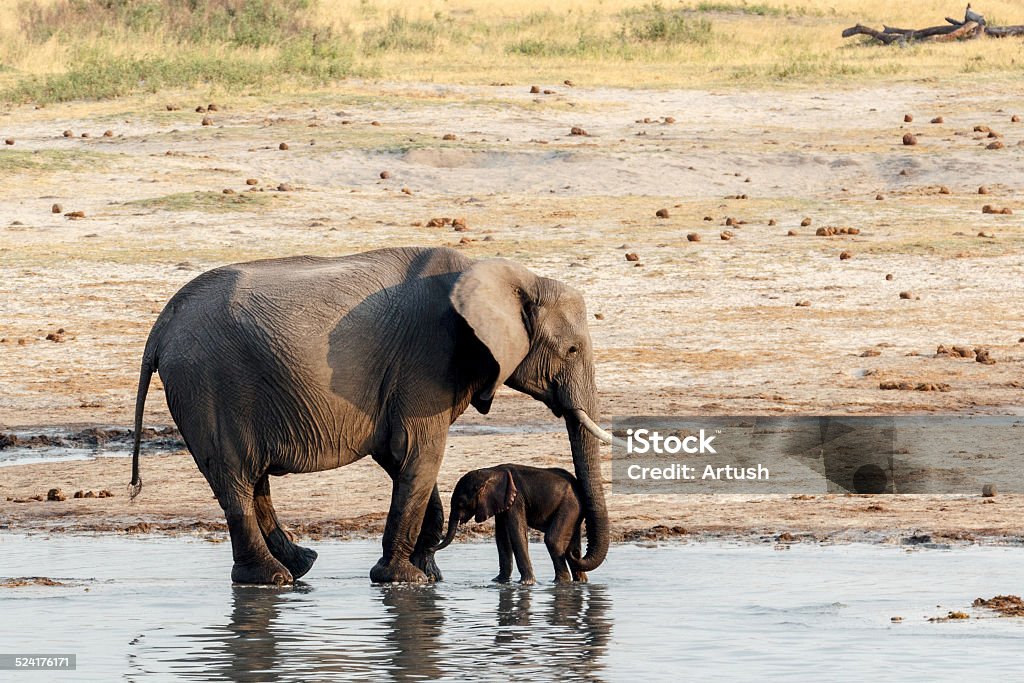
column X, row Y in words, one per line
column 708, row 327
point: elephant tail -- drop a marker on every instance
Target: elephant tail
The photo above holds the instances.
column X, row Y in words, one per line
column 145, row 375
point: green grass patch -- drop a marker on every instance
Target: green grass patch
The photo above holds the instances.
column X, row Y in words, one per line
column 20, row 160
column 214, row 202
column 97, row 76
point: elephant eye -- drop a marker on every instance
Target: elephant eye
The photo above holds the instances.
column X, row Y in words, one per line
column 573, row 349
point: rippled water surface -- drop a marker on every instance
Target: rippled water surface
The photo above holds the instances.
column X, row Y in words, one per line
column 137, row 607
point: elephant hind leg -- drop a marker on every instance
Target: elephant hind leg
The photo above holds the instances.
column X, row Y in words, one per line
column 279, row 541
column 253, row 561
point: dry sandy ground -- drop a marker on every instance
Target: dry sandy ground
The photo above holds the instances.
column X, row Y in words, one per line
column 708, row 327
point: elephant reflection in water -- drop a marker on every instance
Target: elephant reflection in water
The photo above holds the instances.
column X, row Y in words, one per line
column 571, row 634
column 250, row 645
column 414, row 634
column 564, row 628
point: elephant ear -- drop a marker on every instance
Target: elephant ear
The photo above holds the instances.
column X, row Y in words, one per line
column 496, row 495
column 490, row 297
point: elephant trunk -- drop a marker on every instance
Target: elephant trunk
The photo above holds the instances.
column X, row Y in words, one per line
column 586, row 457
column 453, row 526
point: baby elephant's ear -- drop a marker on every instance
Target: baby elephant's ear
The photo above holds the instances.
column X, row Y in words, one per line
column 497, row 495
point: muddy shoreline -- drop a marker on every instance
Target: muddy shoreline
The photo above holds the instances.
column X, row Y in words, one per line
column 352, row 502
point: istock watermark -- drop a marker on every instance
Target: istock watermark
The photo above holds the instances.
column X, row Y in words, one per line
column 817, row 454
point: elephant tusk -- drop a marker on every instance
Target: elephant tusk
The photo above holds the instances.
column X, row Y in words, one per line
column 594, row 429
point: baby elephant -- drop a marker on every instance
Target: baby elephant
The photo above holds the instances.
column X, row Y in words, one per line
column 519, row 498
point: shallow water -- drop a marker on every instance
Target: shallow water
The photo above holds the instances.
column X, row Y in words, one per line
column 137, row 607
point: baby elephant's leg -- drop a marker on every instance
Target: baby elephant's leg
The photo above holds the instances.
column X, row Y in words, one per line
column 558, row 539
column 504, row 548
column 519, row 537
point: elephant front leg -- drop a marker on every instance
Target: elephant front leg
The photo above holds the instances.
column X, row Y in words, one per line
column 412, row 486
column 504, row 548
column 431, row 534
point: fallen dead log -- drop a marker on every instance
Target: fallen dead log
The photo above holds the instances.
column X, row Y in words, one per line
column 972, row 26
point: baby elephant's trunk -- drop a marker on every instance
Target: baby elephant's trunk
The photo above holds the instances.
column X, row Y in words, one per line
column 453, row 526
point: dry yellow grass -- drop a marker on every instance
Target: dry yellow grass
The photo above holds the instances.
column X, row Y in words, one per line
column 606, row 42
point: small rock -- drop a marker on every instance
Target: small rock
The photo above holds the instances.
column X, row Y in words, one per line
column 9, row 141
column 283, row 146
column 74, row 215
column 982, row 190
column 943, row 189
column 56, row 495
column 79, row 494
column 995, row 145
column 938, row 119
column 227, row 190
column 459, row 224
column 448, row 136
column 985, row 233
column 805, row 222
column 212, row 107
column 568, row 83
column 252, row 181
column 889, row 276
column 171, row 107
column 534, row 89
column 108, row 133
column 599, row 316
column 845, row 256
column 406, row 190
column 576, row 130
column 56, row 208
column 879, row 197
column 909, row 139
column 1014, row 119
column 895, row 620
column 907, row 118
column 56, row 337
column 693, row 237
column 803, row 303
column 661, row 213
column 375, row 123
column 988, row 491
column 870, row 353
column 771, row 221
column 285, row 187
column 670, row 119
column 632, row 257
column 548, row 92
column 68, row 134
column 906, row 295
column 207, row 121
column 200, row 109
column 86, row 135
column 726, row 235
column 384, row 175
column 791, row 233
column 982, row 129
column 90, row 494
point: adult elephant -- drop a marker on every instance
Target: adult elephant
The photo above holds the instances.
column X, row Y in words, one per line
column 304, row 364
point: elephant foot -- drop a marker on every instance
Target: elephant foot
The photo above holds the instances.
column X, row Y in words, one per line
column 563, row 578
column 300, row 561
column 528, row 580
column 268, row 572
column 580, row 577
column 501, row 578
column 297, row 559
column 428, row 566
column 397, row 571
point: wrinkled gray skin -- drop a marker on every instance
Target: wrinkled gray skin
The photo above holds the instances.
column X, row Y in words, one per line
column 520, row 498
column 305, row 364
